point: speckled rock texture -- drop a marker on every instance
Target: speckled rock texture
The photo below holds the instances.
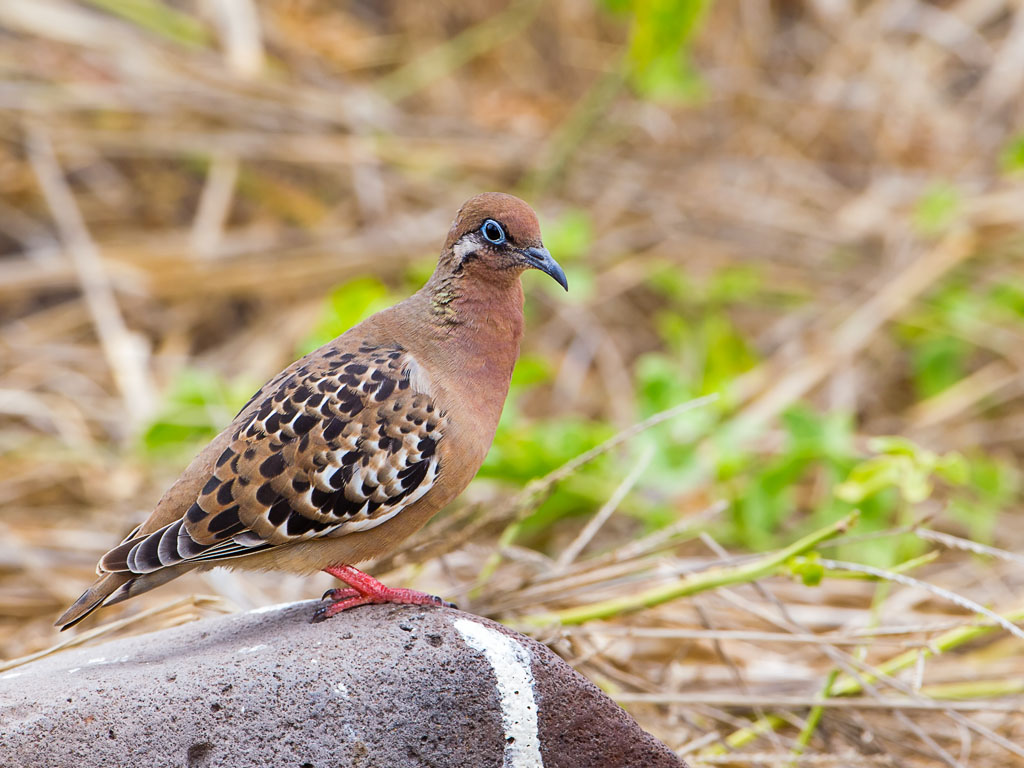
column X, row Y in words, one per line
column 382, row 686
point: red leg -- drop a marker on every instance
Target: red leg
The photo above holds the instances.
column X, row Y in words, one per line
column 367, row 590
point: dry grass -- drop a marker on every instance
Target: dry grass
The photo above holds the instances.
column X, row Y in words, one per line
column 181, row 191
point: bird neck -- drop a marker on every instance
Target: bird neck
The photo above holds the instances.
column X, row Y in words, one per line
column 478, row 322
column 475, row 327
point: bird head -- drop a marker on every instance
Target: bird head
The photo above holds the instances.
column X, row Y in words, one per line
column 497, row 236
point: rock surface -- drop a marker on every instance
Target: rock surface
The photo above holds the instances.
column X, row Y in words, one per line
column 381, row 686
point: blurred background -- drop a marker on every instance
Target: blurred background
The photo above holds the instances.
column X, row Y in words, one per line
column 811, row 209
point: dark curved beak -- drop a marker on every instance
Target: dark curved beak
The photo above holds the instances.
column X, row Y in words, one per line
column 539, row 258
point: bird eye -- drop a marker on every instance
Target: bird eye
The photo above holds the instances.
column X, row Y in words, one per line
column 493, row 231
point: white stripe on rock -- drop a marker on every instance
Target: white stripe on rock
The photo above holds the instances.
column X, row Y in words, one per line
column 511, row 665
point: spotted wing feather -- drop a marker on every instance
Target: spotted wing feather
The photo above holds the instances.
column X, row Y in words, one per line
column 334, row 445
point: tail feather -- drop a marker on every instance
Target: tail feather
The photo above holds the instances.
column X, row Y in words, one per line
column 93, row 598
column 113, row 588
column 145, row 582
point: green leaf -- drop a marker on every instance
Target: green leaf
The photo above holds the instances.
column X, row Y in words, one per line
column 658, row 65
column 195, row 407
column 161, row 19
column 1012, row 159
column 894, row 445
column 953, row 468
column 569, row 236
column 915, row 486
column 937, row 210
column 868, row 478
column 347, row 305
column 808, row 568
column 938, row 363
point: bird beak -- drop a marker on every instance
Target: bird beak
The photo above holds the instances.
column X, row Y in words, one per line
column 540, row 258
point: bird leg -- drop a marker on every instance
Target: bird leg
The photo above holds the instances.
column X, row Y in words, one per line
column 366, row 590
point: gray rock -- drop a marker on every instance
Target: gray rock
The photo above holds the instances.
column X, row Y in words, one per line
column 381, row 686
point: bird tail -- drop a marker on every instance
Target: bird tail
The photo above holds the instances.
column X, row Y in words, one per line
column 106, row 585
column 111, row 588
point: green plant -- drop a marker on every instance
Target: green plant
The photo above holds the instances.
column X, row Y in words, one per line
column 657, row 60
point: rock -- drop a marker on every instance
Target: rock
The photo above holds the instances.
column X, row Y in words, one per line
column 381, row 686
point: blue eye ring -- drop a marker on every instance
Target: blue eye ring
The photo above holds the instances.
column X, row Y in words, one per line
column 493, row 232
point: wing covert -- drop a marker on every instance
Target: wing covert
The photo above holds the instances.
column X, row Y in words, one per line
column 338, row 443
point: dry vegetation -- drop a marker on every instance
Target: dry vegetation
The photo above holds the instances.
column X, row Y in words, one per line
column 181, row 187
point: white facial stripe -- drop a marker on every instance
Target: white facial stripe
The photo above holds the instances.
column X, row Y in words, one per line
column 465, row 246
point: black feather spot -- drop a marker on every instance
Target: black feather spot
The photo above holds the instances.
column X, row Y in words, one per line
column 273, row 422
column 314, row 401
column 356, row 369
column 299, row 485
column 349, row 402
column 225, row 457
column 302, row 394
column 272, row 466
column 333, row 429
column 303, row 424
column 224, row 495
column 266, row 495
column 341, row 477
column 265, row 410
column 343, row 506
column 426, row 447
column 224, row 520
column 351, row 457
column 278, row 513
column 372, row 506
column 413, row 475
column 298, row 525
column 385, row 390
column 195, row 513
column 249, row 453
column 320, row 498
column 211, row 485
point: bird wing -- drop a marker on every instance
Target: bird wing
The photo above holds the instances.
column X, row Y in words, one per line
column 337, row 443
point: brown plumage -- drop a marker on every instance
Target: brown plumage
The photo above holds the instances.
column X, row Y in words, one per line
column 355, row 446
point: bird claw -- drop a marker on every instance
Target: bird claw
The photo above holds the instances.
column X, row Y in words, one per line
column 334, row 595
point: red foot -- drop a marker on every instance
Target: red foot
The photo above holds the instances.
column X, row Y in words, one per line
column 366, row 590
